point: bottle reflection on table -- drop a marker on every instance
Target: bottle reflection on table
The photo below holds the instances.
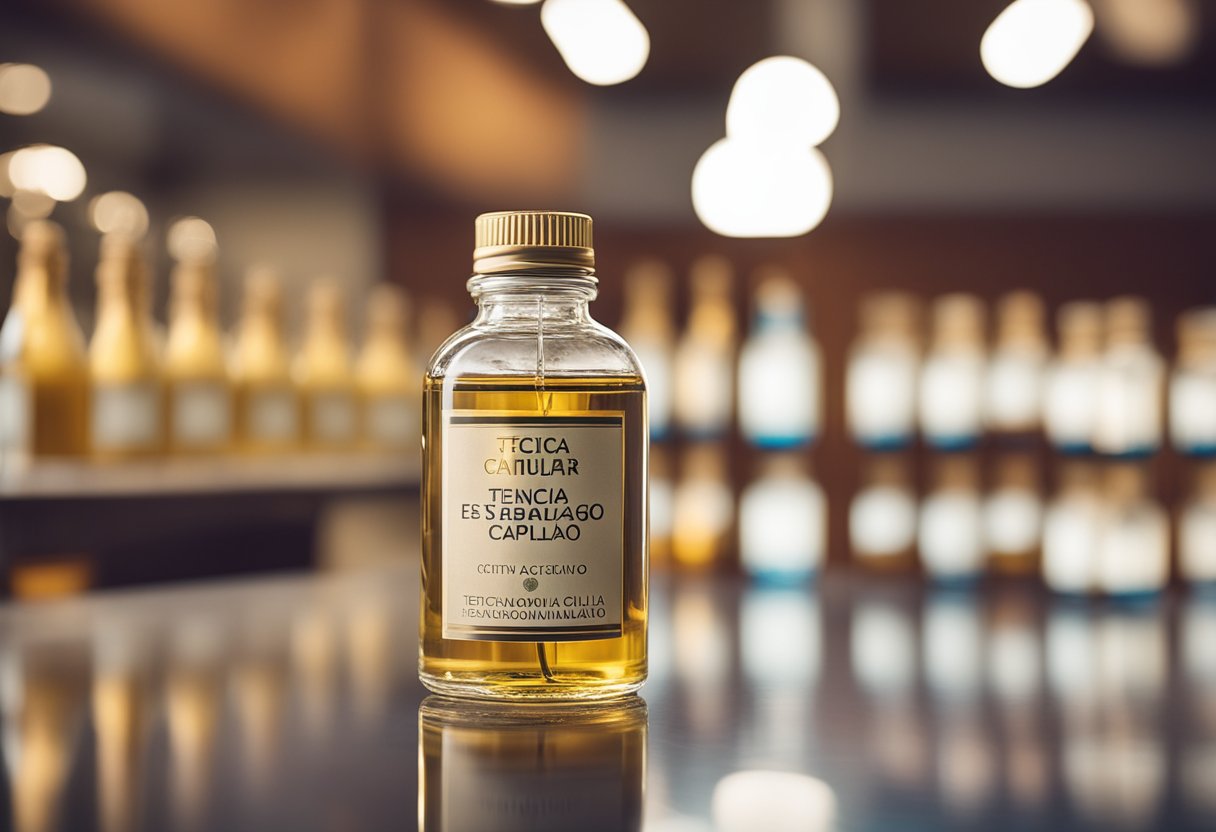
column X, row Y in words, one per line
column 122, row 723
column 531, row 768
column 42, row 703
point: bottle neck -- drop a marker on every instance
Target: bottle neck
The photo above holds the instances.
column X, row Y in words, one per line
column 526, row 300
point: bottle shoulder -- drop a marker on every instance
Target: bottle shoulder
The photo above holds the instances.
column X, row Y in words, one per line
column 589, row 349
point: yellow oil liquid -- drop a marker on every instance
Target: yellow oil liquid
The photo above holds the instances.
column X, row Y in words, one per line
column 568, row 670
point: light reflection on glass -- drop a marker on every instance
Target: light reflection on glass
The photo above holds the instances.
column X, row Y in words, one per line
column 702, row 657
column 883, row 649
column 369, row 642
column 953, row 648
column 775, row 801
column 314, row 669
column 530, row 768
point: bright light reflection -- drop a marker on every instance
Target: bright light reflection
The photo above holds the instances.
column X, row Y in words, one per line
column 7, row 188
column 883, row 650
column 118, row 212
column 775, row 801
column 24, row 89
column 33, row 205
column 1031, row 41
column 780, row 637
column 783, row 98
column 755, row 188
column 191, row 238
column 54, row 171
column 1150, row 32
column 601, row 41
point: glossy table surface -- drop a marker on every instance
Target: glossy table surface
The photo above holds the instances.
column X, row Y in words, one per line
column 292, row 703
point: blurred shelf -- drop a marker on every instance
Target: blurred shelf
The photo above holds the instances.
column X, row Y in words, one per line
column 314, row 473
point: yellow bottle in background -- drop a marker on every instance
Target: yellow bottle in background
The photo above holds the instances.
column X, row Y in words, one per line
column 267, row 406
column 123, row 361
column 198, row 393
column 44, row 372
column 390, row 387
column 323, row 372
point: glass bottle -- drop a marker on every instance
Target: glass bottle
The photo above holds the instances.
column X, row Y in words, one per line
column 702, row 509
column 1192, row 404
column 880, row 379
column 1131, row 388
column 882, row 517
column 323, row 371
column 780, row 399
column 704, row 360
column 1197, row 529
column 534, row 551
column 647, row 326
column 197, row 386
column 952, row 379
column 950, row 535
column 1072, row 525
column 387, row 375
column 1013, row 516
column 1072, row 379
column 1013, row 385
column 268, row 411
column 123, row 361
column 1134, row 548
column 782, row 523
column 44, row 370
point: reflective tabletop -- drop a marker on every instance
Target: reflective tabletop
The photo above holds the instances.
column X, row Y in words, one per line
column 293, row 703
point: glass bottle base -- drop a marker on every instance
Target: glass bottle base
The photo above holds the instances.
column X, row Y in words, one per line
column 528, row 687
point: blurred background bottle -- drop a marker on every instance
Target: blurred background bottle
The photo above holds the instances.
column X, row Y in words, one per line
column 1192, row 403
column 662, row 496
column 1134, row 553
column 1013, row 515
column 123, row 359
column 952, row 379
column 1073, row 379
column 197, row 384
column 782, row 522
column 44, row 371
column 882, row 516
column 1072, row 529
column 390, row 387
column 1197, row 528
column 950, row 535
column 268, row 417
column 704, row 359
column 780, row 377
column 648, row 327
column 1131, row 393
column 702, row 508
column 323, row 371
column 1013, row 386
column 881, row 376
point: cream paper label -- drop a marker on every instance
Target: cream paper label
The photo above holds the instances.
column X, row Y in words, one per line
column 533, row 526
column 201, row 414
column 126, row 416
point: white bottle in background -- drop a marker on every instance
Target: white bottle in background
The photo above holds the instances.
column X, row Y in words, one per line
column 952, row 378
column 1073, row 378
column 648, row 326
column 881, row 375
column 882, row 516
column 1193, row 385
column 1013, row 386
column 1197, row 529
column 950, row 536
column 1134, row 548
column 1072, row 529
column 1013, row 516
column 704, row 359
column 1130, row 396
column 782, row 523
column 780, row 387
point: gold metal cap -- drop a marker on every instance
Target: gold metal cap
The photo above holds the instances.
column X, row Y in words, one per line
column 518, row 240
